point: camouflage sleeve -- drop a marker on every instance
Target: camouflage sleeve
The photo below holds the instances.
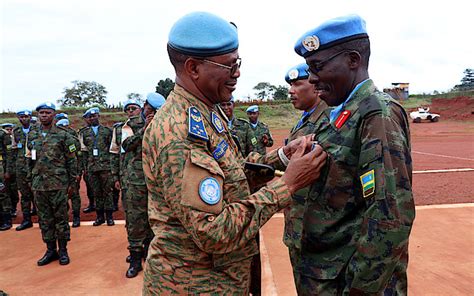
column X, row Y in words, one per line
column 215, row 228
column 115, row 156
column 270, row 138
column 132, row 142
column 250, row 140
column 71, row 157
column 10, row 156
column 385, row 176
column 271, row 158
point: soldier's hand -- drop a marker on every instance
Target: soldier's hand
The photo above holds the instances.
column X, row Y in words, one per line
column 117, row 185
column 303, row 169
column 149, row 118
column 265, row 139
column 291, row 147
column 70, row 191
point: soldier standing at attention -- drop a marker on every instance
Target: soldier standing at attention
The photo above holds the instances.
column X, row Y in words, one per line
column 6, row 165
column 95, row 143
column 200, row 207
column 239, row 128
column 54, row 169
column 358, row 215
column 90, row 196
column 139, row 232
column 20, row 139
column 261, row 132
column 314, row 118
column 12, row 187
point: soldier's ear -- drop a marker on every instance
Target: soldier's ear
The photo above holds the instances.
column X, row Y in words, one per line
column 191, row 68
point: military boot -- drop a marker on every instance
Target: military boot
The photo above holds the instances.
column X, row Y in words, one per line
column 26, row 223
column 7, row 221
column 100, row 218
column 110, row 217
column 76, row 219
column 50, row 255
column 90, row 208
column 13, row 213
column 63, row 256
column 135, row 264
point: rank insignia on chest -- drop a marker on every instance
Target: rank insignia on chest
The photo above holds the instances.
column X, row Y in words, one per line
column 72, row 148
column 210, row 191
column 342, row 118
column 220, row 150
column 368, row 183
column 196, row 127
column 217, row 122
column 254, row 141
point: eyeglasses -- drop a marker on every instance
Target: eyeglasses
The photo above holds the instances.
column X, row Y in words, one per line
column 131, row 109
column 233, row 68
column 317, row 67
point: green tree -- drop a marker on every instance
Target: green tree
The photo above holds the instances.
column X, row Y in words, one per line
column 467, row 82
column 164, row 87
column 83, row 94
column 264, row 90
column 281, row 93
column 135, row 96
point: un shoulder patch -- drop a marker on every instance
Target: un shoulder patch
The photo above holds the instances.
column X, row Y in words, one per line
column 72, row 148
column 368, row 183
column 196, row 127
column 210, row 191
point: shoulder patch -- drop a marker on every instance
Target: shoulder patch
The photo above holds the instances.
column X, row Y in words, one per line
column 210, row 191
column 196, row 128
column 368, row 183
column 72, row 148
column 220, row 150
column 217, row 122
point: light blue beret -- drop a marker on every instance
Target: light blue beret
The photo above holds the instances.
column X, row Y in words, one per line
column 203, row 34
column 63, row 122
column 331, row 33
column 155, row 100
column 90, row 111
column 7, row 124
column 24, row 112
column 46, row 105
column 297, row 73
column 60, row 116
column 130, row 102
column 253, row 108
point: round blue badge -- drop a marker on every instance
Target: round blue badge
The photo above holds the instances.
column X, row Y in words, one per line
column 210, row 191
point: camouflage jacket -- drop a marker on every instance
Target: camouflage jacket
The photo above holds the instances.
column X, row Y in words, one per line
column 259, row 131
column 132, row 146
column 6, row 156
column 359, row 214
column 318, row 120
column 241, row 130
column 20, row 139
column 53, row 159
column 199, row 201
column 77, row 143
column 118, row 161
column 99, row 143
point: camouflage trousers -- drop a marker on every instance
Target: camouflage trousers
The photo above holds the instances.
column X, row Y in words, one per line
column 12, row 191
column 24, row 185
column 101, row 185
column 5, row 201
column 75, row 199
column 89, row 191
column 138, row 228
column 52, row 214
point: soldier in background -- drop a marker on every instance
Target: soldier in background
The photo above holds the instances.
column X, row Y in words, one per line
column 139, row 232
column 6, row 166
column 95, row 143
column 12, row 187
column 54, row 170
column 20, row 139
column 260, row 130
column 240, row 128
column 90, row 194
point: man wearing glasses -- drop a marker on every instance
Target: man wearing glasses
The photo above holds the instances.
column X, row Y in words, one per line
column 200, row 208
column 358, row 215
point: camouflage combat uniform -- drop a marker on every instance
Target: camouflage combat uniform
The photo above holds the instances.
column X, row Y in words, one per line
column 240, row 129
column 294, row 213
column 6, row 158
column 201, row 248
column 83, row 166
column 98, row 166
column 54, row 168
column 359, row 214
column 259, row 130
column 75, row 197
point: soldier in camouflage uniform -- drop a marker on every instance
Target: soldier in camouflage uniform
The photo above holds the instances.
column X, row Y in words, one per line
column 314, row 118
column 359, row 215
column 95, row 144
column 53, row 169
column 139, row 232
column 240, row 128
column 6, row 166
column 90, row 195
column 20, row 138
column 63, row 121
column 12, row 186
column 200, row 208
column 261, row 131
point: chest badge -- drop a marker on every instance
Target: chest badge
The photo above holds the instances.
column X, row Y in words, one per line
column 210, row 191
column 217, row 122
column 342, row 118
column 220, row 150
column 196, row 127
column 368, row 183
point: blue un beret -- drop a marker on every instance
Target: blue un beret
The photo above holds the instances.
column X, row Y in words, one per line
column 24, row 112
column 89, row 112
column 331, row 33
column 155, row 100
column 63, row 122
column 46, row 105
column 253, row 108
column 60, row 116
column 203, row 34
column 7, row 124
column 130, row 102
column 297, row 73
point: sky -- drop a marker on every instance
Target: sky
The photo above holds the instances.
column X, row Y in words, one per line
column 47, row 44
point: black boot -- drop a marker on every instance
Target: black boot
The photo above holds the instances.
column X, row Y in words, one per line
column 110, row 218
column 63, row 256
column 76, row 219
column 7, row 221
column 90, row 208
column 26, row 222
column 100, row 218
column 50, row 255
column 135, row 264
column 13, row 213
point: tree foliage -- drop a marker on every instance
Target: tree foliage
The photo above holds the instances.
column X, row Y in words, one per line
column 281, row 93
column 467, row 82
column 84, row 94
column 135, row 96
column 164, row 87
column 264, row 90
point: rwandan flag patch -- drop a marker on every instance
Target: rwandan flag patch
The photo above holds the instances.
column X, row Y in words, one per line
column 72, row 148
column 368, row 183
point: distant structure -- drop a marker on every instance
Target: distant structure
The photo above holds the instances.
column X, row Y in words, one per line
column 398, row 91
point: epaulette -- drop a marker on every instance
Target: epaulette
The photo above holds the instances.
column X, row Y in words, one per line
column 83, row 128
column 64, row 128
column 243, row 120
column 196, row 128
column 117, row 124
column 369, row 105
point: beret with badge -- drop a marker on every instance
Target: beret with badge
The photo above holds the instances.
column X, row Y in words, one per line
column 155, row 100
column 130, row 102
column 60, row 116
column 63, row 122
column 46, row 105
column 253, row 108
column 297, row 73
column 331, row 33
column 91, row 111
column 24, row 112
